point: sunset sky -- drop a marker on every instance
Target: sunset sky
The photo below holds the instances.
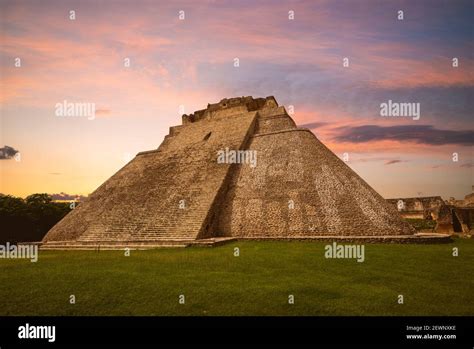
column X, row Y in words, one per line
column 190, row 62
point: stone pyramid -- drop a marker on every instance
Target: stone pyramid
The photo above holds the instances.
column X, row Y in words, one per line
column 181, row 192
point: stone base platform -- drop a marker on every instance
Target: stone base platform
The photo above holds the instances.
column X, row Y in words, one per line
column 132, row 245
column 374, row 239
column 421, row 238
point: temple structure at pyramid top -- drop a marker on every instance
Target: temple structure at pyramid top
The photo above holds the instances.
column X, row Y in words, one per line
column 240, row 168
column 243, row 103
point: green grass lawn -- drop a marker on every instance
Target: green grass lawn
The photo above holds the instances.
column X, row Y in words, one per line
column 258, row 282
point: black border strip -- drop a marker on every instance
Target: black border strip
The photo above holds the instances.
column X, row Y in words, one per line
column 335, row 330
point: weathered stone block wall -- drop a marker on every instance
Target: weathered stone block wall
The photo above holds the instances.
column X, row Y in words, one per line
column 426, row 207
column 465, row 218
column 141, row 201
column 295, row 168
column 274, row 123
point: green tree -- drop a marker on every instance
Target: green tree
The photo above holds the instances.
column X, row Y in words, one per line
column 28, row 219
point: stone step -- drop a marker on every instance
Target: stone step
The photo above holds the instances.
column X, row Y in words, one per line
column 144, row 245
column 110, row 247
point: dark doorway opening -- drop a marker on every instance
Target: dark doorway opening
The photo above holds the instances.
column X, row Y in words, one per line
column 456, row 223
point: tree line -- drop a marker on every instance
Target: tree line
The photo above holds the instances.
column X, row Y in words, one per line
column 29, row 219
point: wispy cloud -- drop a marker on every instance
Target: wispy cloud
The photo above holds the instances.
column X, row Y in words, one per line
column 312, row 125
column 425, row 134
column 391, row 162
column 68, row 197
